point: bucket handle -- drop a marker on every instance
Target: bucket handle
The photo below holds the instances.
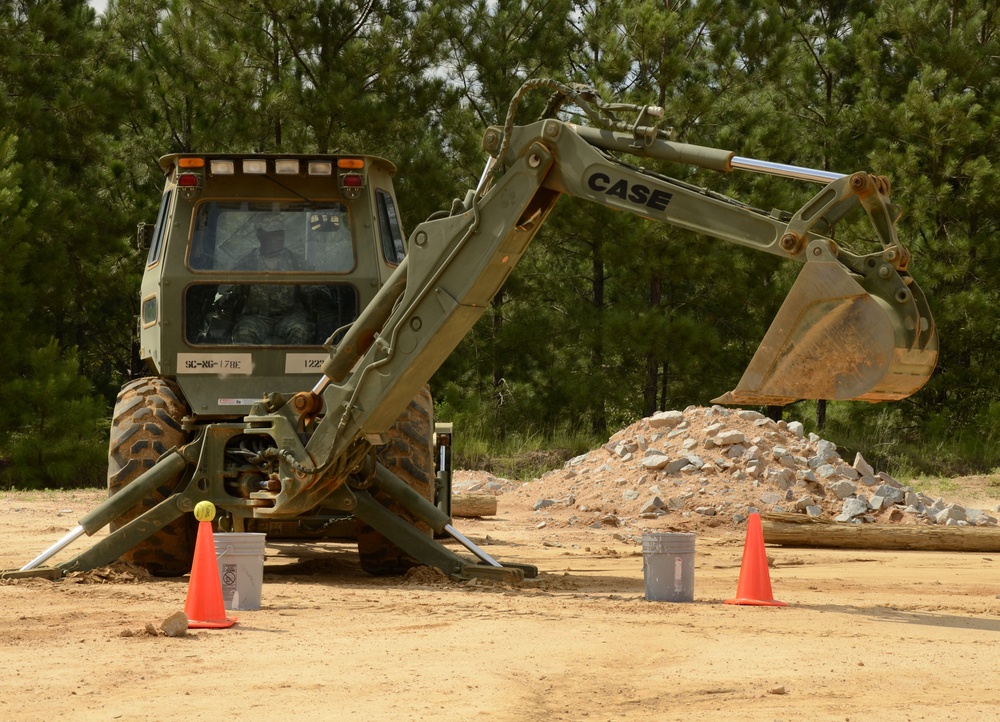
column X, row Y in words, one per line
column 224, row 552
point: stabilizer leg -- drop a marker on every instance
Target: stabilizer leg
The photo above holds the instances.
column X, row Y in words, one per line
column 109, row 549
column 426, row 550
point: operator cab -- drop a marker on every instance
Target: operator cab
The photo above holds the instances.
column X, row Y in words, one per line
column 255, row 263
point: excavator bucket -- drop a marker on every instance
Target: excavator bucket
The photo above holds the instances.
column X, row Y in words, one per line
column 834, row 340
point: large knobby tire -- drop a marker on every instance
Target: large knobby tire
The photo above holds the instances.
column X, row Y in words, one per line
column 147, row 424
column 409, row 454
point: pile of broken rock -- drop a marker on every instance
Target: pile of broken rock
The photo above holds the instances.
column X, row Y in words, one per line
column 713, row 467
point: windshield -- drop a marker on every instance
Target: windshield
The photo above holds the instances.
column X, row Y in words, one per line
column 271, row 237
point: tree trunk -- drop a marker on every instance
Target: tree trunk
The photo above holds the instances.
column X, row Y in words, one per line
column 599, row 418
column 496, row 363
column 649, row 393
column 802, row 531
column 471, row 505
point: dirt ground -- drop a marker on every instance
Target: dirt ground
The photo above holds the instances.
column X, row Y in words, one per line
column 865, row 635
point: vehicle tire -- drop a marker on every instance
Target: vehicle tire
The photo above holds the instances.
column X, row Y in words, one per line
column 409, row 454
column 146, row 424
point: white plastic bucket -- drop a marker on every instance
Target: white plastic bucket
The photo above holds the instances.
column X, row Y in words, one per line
column 241, row 569
column 668, row 566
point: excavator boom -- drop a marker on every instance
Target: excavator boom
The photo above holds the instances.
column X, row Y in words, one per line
column 852, row 327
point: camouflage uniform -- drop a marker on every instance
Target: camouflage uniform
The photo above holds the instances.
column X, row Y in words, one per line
column 273, row 314
column 269, row 313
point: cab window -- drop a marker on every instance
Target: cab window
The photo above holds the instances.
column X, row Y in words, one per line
column 156, row 244
column 388, row 224
column 267, row 314
column 271, row 237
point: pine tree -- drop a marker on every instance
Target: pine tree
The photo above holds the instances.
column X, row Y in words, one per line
column 15, row 254
column 931, row 105
column 493, row 49
column 58, row 116
column 59, row 431
column 667, row 295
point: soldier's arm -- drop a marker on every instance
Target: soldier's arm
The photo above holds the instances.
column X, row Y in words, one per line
column 220, row 320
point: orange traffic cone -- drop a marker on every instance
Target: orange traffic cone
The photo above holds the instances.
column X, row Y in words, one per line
column 754, row 586
column 204, row 606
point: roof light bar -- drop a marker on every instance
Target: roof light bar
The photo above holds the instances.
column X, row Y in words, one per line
column 254, row 166
column 222, row 167
column 286, row 166
column 320, row 167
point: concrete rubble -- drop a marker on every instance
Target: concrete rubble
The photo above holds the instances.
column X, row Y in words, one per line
column 716, row 466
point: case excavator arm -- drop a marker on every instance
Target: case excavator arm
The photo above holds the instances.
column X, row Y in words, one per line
column 852, row 326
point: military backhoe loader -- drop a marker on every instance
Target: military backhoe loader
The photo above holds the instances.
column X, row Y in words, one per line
column 290, row 333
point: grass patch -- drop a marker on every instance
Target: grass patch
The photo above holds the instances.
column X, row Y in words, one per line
column 890, row 440
column 935, row 486
column 518, row 456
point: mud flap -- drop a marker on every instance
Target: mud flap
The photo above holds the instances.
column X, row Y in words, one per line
column 834, row 340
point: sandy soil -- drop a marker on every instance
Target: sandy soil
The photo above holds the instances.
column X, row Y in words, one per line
column 865, row 635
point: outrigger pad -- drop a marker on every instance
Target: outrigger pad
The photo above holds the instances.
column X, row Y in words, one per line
column 833, row 340
column 508, row 573
column 52, row 573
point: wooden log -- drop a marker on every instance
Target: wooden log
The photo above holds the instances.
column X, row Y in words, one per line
column 802, row 531
column 470, row 505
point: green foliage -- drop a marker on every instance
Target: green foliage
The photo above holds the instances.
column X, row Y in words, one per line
column 271, row 75
column 931, row 98
column 58, row 428
column 15, row 253
column 59, row 200
column 506, row 361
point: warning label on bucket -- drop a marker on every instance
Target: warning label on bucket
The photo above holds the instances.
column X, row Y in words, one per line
column 228, row 581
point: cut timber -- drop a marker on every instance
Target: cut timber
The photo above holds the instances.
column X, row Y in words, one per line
column 802, row 531
column 469, row 505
